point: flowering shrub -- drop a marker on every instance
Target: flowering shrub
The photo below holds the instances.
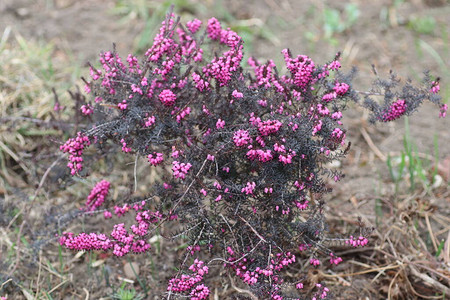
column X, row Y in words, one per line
column 242, row 155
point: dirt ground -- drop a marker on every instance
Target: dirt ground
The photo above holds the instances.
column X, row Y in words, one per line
column 380, row 36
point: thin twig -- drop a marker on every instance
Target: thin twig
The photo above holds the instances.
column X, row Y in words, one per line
column 256, row 232
column 372, row 145
column 239, row 290
column 135, row 173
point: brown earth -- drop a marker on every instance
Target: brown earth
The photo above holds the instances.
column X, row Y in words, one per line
column 380, row 36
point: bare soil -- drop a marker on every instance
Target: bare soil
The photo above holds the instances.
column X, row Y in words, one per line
column 86, row 27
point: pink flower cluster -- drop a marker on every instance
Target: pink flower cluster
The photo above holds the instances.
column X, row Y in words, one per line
column 338, row 136
column 221, row 68
column 249, row 188
column 194, row 25
column 323, row 110
column 122, row 105
column 317, row 127
column 359, row 242
column 302, row 68
column 265, row 74
column 435, row 88
column 133, row 64
column 97, row 195
column 242, row 138
column 337, row 115
column 265, row 127
column 200, row 84
column 75, row 147
column 185, row 112
column 220, row 124
column 167, row 97
column 287, row 158
column 120, row 240
column 84, row 241
column 189, row 282
column 199, row 292
column 329, row 96
column 395, row 111
column 269, row 127
column 155, row 158
column 302, row 205
column 95, row 74
column 237, row 94
column 125, row 148
column 150, row 121
column 276, row 264
column 335, row 64
column 112, row 65
column 322, row 293
column 314, row 261
column 87, row 109
column 213, row 29
column 261, row 155
column 163, row 44
column 443, row 110
column 335, row 259
column 180, row 170
column 341, row 88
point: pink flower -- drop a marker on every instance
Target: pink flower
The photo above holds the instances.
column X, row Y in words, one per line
column 194, row 25
column 237, row 94
column 334, row 65
column 167, row 97
column 185, row 112
column 360, row 241
column 155, row 158
column 330, row 96
column 220, row 124
column 241, row 138
column 87, row 109
column 180, row 170
column 261, row 155
column 75, row 147
column 124, row 146
column 443, row 111
column 302, row 68
column 338, row 136
column 107, row 214
column 341, row 88
column 314, row 261
column 334, row 259
column 123, row 105
column 249, row 188
column 395, row 111
column 97, row 195
column 213, row 29
column 150, row 121
column 269, row 127
column 435, row 87
column 200, row 84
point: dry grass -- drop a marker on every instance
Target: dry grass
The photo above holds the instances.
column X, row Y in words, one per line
column 29, row 71
column 408, row 258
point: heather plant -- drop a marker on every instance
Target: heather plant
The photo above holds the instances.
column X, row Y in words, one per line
column 242, row 156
